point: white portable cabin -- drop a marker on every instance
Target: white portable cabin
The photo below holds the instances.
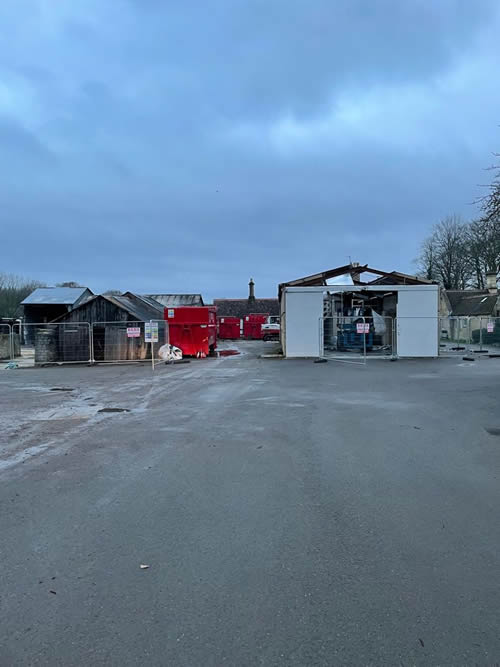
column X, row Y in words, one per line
column 417, row 318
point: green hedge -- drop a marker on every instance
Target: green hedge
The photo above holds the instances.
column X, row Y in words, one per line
column 488, row 338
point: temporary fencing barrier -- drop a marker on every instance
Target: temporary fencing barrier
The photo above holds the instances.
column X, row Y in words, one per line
column 417, row 336
column 454, row 335
column 354, row 338
column 39, row 344
column 485, row 334
column 116, row 342
column 52, row 343
column 458, row 335
column 360, row 338
column 351, row 339
column 6, row 342
column 339, row 339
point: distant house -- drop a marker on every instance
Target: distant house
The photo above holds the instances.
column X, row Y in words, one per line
column 173, row 300
column 242, row 307
column 473, row 303
column 469, row 310
column 48, row 303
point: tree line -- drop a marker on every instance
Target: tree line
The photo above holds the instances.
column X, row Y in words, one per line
column 459, row 254
column 14, row 289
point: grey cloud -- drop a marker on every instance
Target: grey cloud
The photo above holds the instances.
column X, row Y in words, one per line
column 19, row 144
column 253, row 57
column 146, row 150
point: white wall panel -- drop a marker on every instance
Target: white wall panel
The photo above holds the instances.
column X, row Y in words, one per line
column 418, row 322
column 302, row 312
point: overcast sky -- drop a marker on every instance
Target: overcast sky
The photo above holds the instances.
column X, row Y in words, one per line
column 168, row 146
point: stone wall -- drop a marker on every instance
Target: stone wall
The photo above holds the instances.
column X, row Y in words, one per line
column 5, row 346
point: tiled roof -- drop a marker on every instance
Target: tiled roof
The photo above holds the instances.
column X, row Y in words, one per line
column 242, row 307
column 472, row 302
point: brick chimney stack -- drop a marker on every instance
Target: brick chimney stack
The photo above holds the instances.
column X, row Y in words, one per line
column 251, row 290
column 491, row 282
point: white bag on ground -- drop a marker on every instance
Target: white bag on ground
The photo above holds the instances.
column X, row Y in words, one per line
column 170, row 353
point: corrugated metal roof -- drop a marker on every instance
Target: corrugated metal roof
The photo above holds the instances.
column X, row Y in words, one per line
column 149, row 300
column 172, row 300
column 44, row 296
column 145, row 300
column 142, row 311
column 138, row 310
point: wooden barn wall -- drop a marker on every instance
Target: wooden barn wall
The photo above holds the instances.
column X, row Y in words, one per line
column 110, row 341
column 98, row 310
column 118, row 346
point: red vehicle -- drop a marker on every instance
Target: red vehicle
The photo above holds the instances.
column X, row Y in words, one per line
column 193, row 329
column 252, row 325
column 229, row 327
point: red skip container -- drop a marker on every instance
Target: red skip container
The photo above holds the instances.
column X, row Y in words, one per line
column 229, row 327
column 252, row 325
column 193, row 329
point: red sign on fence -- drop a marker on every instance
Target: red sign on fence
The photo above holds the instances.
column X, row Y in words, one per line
column 133, row 332
column 362, row 328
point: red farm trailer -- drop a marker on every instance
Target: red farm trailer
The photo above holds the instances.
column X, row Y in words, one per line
column 193, row 329
column 229, row 327
column 252, row 325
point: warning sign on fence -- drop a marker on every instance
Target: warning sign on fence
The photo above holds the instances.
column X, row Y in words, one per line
column 151, row 332
column 133, row 332
column 362, row 328
column 490, row 327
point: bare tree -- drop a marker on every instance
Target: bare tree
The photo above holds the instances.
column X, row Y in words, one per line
column 13, row 290
column 484, row 234
column 483, row 238
column 490, row 203
column 69, row 283
column 444, row 255
column 426, row 262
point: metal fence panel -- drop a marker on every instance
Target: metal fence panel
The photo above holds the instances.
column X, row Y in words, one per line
column 416, row 336
column 163, row 339
column 343, row 338
column 381, row 337
column 45, row 343
column 115, row 342
column 356, row 338
column 6, row 342
column 485, row 334
column 51, row 343
column 454, row 335
column 352, row 339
